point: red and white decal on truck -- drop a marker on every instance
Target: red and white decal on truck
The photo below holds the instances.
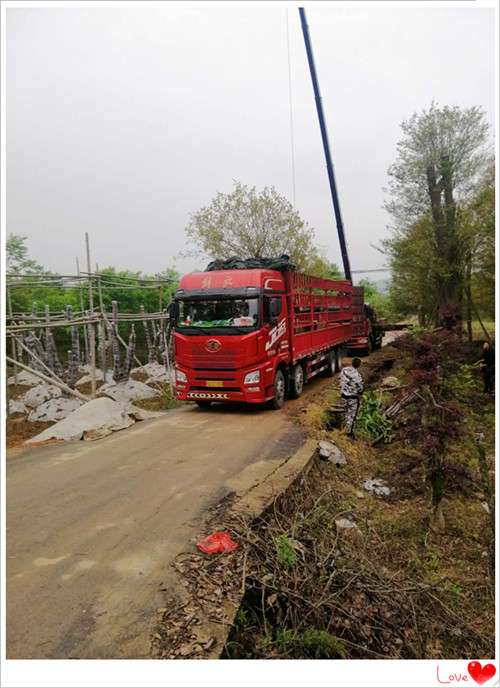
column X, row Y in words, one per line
column 276, row 333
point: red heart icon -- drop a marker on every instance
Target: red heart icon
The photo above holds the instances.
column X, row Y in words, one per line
column 481, row 674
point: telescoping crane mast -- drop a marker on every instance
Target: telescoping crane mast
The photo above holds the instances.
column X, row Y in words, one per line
column 326, row 146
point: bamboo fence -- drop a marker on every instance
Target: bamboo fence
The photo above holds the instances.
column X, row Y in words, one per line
column 31, row 335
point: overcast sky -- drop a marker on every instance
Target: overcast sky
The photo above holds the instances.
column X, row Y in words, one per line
column 123, row 121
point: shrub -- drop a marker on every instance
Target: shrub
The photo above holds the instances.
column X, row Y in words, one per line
column 371, row 421
column 310, row 644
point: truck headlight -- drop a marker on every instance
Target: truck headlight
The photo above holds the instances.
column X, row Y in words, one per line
column 252, row 378
column 180, row 376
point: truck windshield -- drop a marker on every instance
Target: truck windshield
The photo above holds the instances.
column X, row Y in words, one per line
column 230, row 313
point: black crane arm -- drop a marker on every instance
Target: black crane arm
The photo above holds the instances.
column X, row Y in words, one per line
column 326, row 146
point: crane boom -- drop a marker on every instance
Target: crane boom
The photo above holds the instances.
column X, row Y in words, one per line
column 326, row 146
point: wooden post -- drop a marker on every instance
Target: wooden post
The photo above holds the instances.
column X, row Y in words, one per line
column 72, row 368
column 46, row 310
column 101, row 348
column 149, row 344
column 82, row 309
column 34, row 321
column 14, row 354
column 91, row 325
column 75, row 340
column 129, row 357
column 117, row 374
column 161, row 342
column 101, row 331
column 7, row 395
column 48, row 347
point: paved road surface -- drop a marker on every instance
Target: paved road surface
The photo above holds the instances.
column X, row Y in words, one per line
column 93, row 526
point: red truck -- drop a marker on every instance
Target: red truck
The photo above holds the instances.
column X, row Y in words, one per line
column 257, row 335
column 368, row 331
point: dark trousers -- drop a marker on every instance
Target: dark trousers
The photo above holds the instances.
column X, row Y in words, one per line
column 489, row 379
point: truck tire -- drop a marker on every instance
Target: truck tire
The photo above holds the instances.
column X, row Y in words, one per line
column 279, row 391
column 203, row 403
column 296, row 381
column 339, row 353
column 331, row 360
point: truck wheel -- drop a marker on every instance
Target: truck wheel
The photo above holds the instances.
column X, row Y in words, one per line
column 331, row 360
column 203, row 403
column 338, row 360
column 279, row 391
column 296, row 381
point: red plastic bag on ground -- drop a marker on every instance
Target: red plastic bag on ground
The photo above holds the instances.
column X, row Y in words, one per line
column 219, row 541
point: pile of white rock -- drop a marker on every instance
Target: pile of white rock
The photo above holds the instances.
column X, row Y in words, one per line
column 94, row 420
column 42, row 402
column 112, row 410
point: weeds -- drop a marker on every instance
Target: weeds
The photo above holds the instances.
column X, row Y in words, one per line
column 285, row 549
column 310, row 644
column 371, row 422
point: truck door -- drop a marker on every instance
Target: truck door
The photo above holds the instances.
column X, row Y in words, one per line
column 274, row 311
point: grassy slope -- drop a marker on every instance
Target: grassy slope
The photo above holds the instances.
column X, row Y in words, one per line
column 399, row 588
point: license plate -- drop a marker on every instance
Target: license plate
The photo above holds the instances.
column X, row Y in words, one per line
column 214, row 383
column 207, row 395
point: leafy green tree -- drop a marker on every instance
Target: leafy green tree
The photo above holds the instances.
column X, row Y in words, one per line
column 254, row 224
column 478, row 237
column 319, row 266
column 413, row 266
column 440, row 155
column 131, row 295
column 16, row 253
column 19, row 262
column 377, row 300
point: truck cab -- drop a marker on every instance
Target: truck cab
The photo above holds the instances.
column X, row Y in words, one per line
column 230, row 335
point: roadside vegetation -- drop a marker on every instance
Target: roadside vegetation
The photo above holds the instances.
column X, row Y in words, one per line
column 335, row 570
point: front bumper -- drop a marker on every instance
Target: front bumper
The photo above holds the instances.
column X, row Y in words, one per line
column 225, row 386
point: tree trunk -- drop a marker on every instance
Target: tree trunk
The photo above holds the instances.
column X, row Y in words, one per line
column 448, row 277
column 468, row 296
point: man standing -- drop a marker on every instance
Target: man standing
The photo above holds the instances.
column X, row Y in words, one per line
column 351, row 388
column 488, row 368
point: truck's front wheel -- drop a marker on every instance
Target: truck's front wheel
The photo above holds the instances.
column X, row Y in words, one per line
column 296, row 381
column 279, row 391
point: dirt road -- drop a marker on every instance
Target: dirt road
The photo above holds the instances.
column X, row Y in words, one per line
column 93, row 526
